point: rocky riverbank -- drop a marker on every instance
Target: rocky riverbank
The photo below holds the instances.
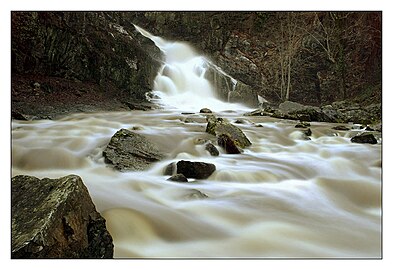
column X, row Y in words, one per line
column 338, row 112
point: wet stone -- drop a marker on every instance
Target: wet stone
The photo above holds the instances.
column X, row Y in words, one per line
column 197, row 170
column 228, row 144
column 364, row 138
column 178, row 178
column 302, row 125
column 340, row 128
column 212, row 149
column 205, row 110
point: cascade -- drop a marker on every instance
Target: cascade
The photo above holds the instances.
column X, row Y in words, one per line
column 181, row 82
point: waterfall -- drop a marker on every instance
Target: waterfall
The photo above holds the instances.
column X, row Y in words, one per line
column 181, row 82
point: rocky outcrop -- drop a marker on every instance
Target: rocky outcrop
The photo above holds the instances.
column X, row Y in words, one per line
column 65, row 52
column 56, row 218
column 218, row 126
column 364, row 138
column 337, row 112
column 130, row 151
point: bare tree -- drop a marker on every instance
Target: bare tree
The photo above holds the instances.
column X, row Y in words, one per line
column 290, row 41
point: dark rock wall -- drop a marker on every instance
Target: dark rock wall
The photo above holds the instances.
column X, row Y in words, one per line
column 85, row 47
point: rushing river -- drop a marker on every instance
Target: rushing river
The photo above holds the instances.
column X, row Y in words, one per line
column 284, row 196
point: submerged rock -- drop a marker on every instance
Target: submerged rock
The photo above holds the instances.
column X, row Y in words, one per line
column 218, row 126
column 56, row 218
column 364, row 138
column 340, row 128
column 130, row 151
column 228, row 144
column 307, row 132
column 195, row 119
column 257, row 112
column 195, row 194
column 302, row 125
column 212, row 149
column 178, row 178
column 197, row 170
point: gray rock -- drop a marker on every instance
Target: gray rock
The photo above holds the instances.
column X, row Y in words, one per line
column 364, row 138
column 197, row 170
column 130, row 151
column 218, row 126
column 56, row 218
column 289, row 106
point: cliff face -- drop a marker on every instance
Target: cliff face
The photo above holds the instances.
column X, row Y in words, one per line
column 308, row 57
column 78, row 57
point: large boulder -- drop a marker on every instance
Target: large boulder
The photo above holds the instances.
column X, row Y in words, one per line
column 364, row 138
column 56, row 218
column 197, row 170
column 218, row 126
column 129, row 151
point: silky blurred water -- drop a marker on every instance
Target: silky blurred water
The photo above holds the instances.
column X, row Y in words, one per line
column 283, row 197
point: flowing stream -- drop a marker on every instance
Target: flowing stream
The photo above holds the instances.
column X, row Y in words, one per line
column 284, row 196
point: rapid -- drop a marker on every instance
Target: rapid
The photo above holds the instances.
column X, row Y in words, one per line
column 283, row 197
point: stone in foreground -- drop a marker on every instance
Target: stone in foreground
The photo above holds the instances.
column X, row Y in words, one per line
column 56, row 218
column 129, row 151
